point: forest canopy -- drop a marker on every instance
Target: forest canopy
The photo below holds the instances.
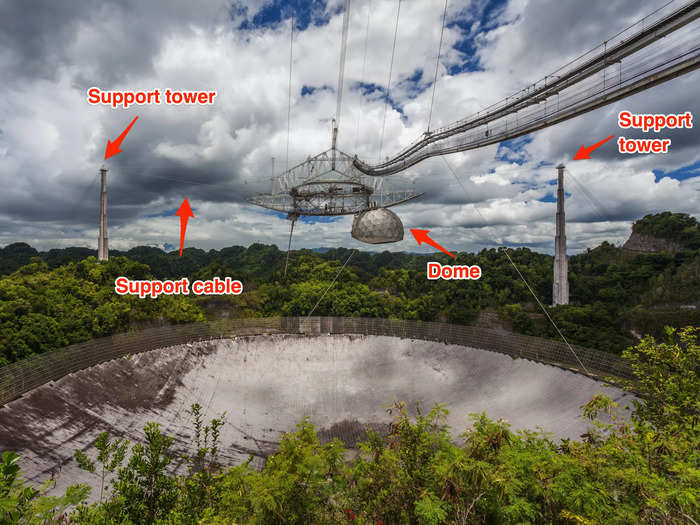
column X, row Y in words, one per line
column 672, row 226
column 51, row 299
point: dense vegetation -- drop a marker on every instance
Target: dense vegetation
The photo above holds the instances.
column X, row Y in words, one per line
column 42, row 309
column 638, row 469
column 59, row 297
column 641, row 469
column 673, row 226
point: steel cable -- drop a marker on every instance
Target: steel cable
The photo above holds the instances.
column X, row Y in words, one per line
column 388, row 84
column 504, row 249
column 437, row 64
column 289, row 88
column 341, row 69
column 364, row 64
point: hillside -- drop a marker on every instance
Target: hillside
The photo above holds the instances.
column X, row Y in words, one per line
column 670, row 232
column 60, row 297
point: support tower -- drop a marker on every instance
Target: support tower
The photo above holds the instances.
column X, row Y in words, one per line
column 560, row 293
column 102, row 248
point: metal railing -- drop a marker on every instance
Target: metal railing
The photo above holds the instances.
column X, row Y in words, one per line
column 657, row 48
column 18, row 378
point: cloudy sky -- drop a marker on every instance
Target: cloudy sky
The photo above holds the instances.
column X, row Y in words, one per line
column 52, row 141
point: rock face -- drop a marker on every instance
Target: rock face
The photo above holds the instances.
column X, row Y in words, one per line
column 647, row 243
column 665, row 231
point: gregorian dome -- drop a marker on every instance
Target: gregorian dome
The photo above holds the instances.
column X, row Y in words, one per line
column 377, row 226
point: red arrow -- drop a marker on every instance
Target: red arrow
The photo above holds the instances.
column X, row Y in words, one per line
column 113, row 147
column 584, row 151
column 423, row 237
column 185, row 212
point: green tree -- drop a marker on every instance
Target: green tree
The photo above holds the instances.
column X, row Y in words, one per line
column 667, row 379
column 110, row 454
column 23, row 504
column 144, row 490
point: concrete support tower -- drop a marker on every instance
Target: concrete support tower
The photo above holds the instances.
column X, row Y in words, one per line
column 560, row 294
column 102, row 248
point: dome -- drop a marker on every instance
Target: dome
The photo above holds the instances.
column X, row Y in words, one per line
column 377, row 226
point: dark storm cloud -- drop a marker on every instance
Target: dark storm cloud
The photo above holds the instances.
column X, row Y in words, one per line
column 113, row 38
column 34, row 37
column 52, row 142
column 103, row 43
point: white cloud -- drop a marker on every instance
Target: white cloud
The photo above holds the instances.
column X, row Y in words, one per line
column 52, row 141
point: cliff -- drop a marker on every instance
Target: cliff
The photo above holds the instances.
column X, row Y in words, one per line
column 639, row 242
column 666, row 231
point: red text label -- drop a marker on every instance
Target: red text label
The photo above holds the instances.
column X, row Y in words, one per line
column 435, row 271
column 127, row 98
column 155, row 288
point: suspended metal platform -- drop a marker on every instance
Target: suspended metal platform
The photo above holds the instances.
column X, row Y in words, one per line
column 329, row 184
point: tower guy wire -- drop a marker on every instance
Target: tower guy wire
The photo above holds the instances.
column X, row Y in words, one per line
column 504, row 249
column 388, row 84
column 437, row 65
column 600, row 209
column 364, row 64
column 289, row 87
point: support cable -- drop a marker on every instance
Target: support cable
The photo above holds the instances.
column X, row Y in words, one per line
column 504, row 249
column 364, row 64
column 600, row 209
column 332, row 282
column 437, row 65
column 388, row 84
column 122, row 169
column 289, row 96
column 341, row 69
column 341, row 76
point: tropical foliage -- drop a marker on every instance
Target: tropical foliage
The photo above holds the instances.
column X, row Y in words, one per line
column 60, row 297
column 641, row 467
column 43, row 309
column 673, row 226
